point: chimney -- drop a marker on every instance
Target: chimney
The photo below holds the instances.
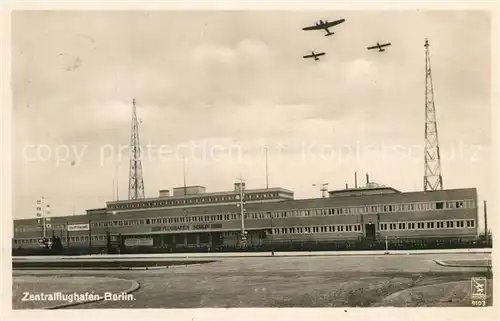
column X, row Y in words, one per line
column 355, row 180
column 367, row 179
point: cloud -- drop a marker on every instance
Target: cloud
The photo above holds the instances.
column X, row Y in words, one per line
column 213, row 53
column 244, row 51
column 357, row 71
column 254, row 49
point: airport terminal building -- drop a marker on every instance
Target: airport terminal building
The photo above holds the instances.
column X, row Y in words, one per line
column 192, row 217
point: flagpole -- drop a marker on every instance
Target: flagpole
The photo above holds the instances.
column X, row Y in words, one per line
column 117, row 183
column 39, row 213
column 43, row 218
column 184, row 167
column 267, row 171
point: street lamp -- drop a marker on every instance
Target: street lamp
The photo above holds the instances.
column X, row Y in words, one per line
column 272, row 233
column 184, row 214
column 67, row 234
column 90, row 236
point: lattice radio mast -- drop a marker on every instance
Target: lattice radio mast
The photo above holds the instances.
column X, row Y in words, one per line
column 433, row 180
column 136, row 181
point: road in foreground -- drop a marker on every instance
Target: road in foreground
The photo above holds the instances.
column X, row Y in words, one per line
column 299, row 282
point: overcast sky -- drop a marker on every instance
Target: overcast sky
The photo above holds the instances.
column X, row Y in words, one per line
column 233, row 82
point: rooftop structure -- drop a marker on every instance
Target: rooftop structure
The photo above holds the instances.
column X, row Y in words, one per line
column 197, row 195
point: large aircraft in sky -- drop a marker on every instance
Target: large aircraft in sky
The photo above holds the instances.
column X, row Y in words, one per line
column 325, row 25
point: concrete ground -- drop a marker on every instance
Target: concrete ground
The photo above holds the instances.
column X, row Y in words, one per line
column 348, row 281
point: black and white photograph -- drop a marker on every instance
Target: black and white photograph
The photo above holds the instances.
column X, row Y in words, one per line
column 189, row 159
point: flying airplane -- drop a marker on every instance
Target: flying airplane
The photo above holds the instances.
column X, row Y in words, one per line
column 324, row 25
column 314, row 55
column 379, row 46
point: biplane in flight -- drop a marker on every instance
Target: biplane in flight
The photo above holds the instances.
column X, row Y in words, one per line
column 314, row 55
column 379, row 46
column 325, row 25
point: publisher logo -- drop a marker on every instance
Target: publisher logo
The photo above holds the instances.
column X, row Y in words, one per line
column 478, row 288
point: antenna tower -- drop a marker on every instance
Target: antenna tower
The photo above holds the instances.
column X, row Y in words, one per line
column 433, row 179
column 136, row 182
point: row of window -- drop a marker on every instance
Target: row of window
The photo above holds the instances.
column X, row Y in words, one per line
column 170, row 220
column 318, row 229
column 372, row 209
column 38, row 228
column 410, row 207
column 230, row 233
column 382, row 226
column 427, row 225
column 84, row 238
column 198, row 200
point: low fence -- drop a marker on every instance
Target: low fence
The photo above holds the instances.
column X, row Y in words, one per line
column 323, row 246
